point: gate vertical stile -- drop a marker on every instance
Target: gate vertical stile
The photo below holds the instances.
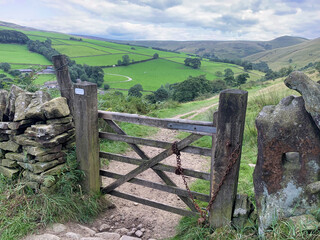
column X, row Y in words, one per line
column 230, row 126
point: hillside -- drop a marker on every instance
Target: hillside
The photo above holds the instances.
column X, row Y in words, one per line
column 151, row 73
column 223, row 49
column 298, row 55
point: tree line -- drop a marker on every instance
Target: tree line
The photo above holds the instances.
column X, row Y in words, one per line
column 85, row 72
column 191, row 88
column 77, row 71
column 43, row 48
column 12, row 36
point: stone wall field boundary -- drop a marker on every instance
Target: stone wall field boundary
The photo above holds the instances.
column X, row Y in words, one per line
column 35, row 134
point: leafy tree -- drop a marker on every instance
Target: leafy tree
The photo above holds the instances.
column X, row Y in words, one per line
column 261, row 66
column 5, row 66
column 242, row 78
column 229, row 77
column 193, row 62
column 156, row 55
column 247, row 65
column 84, row 77
column 125, row 60
column 119, row 63
column 191, row 88
column 218, row 86
column 15, row 73
column 135, row 91
column 161, row 94
column 271, row 75
column 106, row 86
column 87, row 73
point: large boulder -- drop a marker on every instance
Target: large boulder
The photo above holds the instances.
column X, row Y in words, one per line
column 3, row 103
column 33, row 111
column 56, row 108
column 10, row 106
column 21, row 104
column 288, row 161
column 310, row 92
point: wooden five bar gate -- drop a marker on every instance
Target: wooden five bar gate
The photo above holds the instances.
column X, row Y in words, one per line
column 226, row 131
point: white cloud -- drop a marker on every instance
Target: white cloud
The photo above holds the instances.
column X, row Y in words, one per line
column 179, row 19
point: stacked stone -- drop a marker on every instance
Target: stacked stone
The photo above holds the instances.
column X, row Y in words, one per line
column 35, row 133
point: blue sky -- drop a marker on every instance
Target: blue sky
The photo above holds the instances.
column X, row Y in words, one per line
column 169, row 19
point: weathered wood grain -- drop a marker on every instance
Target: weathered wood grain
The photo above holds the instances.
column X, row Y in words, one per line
column 154, row 204
column 161, row 187
column 159, row 166
column 230, row 126
column 152, row 143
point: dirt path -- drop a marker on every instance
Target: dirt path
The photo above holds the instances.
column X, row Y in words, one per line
column 158, row 224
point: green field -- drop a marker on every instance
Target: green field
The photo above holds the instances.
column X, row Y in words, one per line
column 74, row 50
column 169, row 68
column 42, row 78
column 152, row 74
column 15, row 53
column 109, row 59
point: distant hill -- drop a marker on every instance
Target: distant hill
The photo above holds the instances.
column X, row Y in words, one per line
column 16, row 26
column 297, row 55
column 223, row 49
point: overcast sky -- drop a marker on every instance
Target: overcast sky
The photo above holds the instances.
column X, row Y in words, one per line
column 169, row 19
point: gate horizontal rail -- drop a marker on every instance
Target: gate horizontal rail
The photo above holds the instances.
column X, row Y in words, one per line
column 153, row 143
column 197, row 127
column 161, row 187
column 159, row 166
column 155, row 204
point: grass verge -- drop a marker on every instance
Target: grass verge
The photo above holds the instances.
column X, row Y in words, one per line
column 22, row 211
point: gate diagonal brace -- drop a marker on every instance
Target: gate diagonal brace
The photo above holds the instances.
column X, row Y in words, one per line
column 143, row 156
column 148, row 164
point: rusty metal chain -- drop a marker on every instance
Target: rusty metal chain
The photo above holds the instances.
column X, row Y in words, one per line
column 179, row 171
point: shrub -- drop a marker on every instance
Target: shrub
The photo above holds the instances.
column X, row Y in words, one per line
column 106, row 86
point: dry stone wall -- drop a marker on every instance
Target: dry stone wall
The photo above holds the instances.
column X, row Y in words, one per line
column 35, row 134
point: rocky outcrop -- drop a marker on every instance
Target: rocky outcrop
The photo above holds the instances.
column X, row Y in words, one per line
column 310, row 92
column 288, row 161
column 34, row 144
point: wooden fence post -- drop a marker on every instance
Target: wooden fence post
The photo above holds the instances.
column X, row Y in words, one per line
column 63, row 77
column 230, row 127
column 87, row 133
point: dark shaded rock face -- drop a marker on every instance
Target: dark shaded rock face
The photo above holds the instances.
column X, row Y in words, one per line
column 288, row 160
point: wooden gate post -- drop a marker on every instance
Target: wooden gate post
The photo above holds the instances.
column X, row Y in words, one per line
column 230, row 127
column 87, row 133
column 63, row 77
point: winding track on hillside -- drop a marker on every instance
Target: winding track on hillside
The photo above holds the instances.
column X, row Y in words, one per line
column 128, row 78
